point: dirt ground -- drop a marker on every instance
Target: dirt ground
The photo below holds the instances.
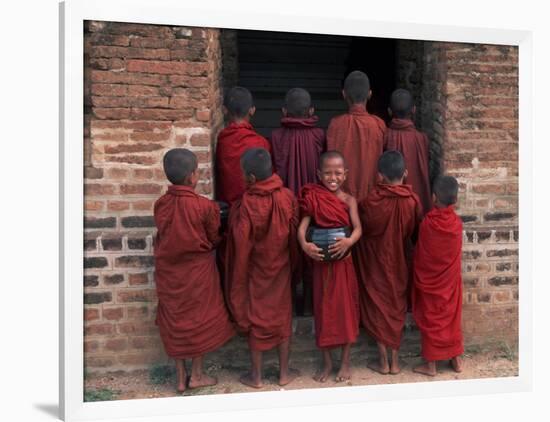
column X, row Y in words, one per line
column 140, row 384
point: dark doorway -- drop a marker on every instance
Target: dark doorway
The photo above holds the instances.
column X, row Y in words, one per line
column 270, row 63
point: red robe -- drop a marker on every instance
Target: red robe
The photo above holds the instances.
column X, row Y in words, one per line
column 191, row 313
column 402, row 136
column 233, row 141
column 389, row 216
column 437, row 288
column 359, row 136
column 261, row 249
column 335, row 291
column 297, row 146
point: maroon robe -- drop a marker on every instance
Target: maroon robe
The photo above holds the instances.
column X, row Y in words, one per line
column 191, row 313
column 297, row 146
column 437, row 288
column 233, row 141
column 261, row 249
column 402, row 136
column 389, row 215
column 359, row 136
column 335, row 291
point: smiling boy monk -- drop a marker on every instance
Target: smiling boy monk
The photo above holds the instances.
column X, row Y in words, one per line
column 191, row 313
column 335, row 295
column 390, row 215
column 261, row 250
column 437, row 287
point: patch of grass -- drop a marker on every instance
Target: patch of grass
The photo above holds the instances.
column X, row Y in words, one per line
column 472, row 349
column 162, row 374
column 507, row 352
column 103, row 394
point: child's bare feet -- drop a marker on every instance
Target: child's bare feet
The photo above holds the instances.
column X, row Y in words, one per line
column 394, row 367
column 344, row 374
column 288, row 377
column 250, row 381
column 323, row 374
column 456, row 364
column 202, row 381
column 181, row 386
column 380, row 367
column 427, row 368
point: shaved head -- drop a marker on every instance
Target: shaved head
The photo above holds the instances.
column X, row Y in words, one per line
column 297, row 102
column 357, row 87
column 330, row 155
column 238, row 102
column 391, row 165
column 257, row 162
column 401, row 103
column 178, row 164
column 446, row 190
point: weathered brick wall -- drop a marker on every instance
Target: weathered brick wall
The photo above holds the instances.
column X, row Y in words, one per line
column 148, row 88
column 470, row 110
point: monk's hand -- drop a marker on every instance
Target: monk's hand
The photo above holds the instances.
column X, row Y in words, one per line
column 313, row 251
column 340, row 247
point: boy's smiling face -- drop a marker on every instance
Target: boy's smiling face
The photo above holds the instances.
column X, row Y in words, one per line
column 333, row 173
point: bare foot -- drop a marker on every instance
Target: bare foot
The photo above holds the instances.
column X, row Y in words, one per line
column 427, row 368
column 324, row 374
column 394, row 367
column 181, row 387
column 344, row 374
column 456, row 364
column 290, row 376
column 249, row 381
column 203, row 381
column 383, row 369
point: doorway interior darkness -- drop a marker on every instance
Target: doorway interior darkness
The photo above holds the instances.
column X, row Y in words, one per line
column 271, row 63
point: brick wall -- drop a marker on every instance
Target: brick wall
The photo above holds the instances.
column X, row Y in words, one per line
column 470, row 110
column 148, row 88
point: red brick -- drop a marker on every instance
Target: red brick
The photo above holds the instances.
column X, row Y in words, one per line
column 110, row 102
column 502, row 296
column 125, row 296
column 139, row 328
column 97, row 189
column 113, row 314
column 203, row 115
column 143, row 174
column 118, row 205
column 145, row 342
column 91, row 314
column 112, row 90
column 138, row 312
column 160, row 114
column 149, row 102
column 138, row 278
column 91, row 346
column 112, row 113
column 98, row 329
column 143, row 205
column 150, row 136
column 93, row 205
column 131, row 159
column 127, row 78
column 108, row 64
column 489, row 188
column 116, row 344
column 146, row 42
column 107, row 39
column 197, row 69
column 98, row 362
column 109, row 136
column 117, row 173
column 160, row 67
column 142, row 189
column 200, row 140
column 143, row 90
column 124, row 148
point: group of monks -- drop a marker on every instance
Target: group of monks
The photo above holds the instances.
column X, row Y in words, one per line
column 404, row 245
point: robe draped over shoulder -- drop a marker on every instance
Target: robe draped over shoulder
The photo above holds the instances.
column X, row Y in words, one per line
column 335, row 290
column 389, row 216
column 191, row 314
column 437, row 288
column 261, row 251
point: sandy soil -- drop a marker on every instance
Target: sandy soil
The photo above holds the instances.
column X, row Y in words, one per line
column 137, row 384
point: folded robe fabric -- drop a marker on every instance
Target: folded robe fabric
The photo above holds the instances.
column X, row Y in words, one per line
column 233, row 141
column 191, row 314
column 403, row 136
column 437, row 288
column 335, row 291
column 261, row 250
column 297, row 145
column 389, row 217
column 359, row 136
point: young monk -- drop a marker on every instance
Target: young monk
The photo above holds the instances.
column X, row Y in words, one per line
column 233, row 141
column 437, row 288
column 390, row 215
column 297, row 146
column 335, row 300
column 358, row 135
column 191, row 313
column 403, row 136
column 261, row 248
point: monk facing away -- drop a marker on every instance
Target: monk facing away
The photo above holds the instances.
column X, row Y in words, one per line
column 437, row 288
column 390, row 215
column 237, row 137
column 335, row 294
column 261, row 249
column 191, row 313
column 358, row 135
column 403, row 136
column 297, row 145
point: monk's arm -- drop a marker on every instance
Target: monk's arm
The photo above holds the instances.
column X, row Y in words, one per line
column 309, row 248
